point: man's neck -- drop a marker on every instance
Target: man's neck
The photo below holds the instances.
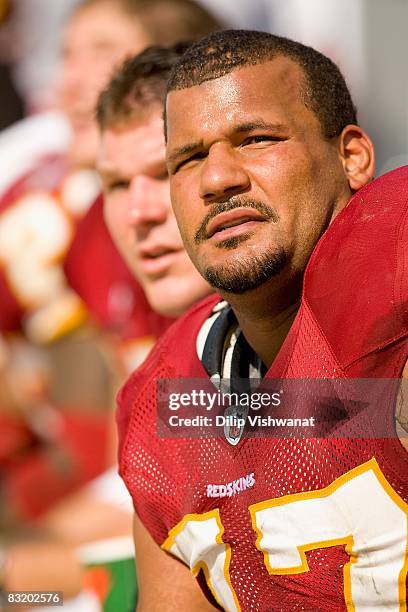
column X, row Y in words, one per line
column 265, row 317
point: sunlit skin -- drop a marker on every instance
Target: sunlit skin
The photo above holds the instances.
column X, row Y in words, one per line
column 96, row 40
column 249, row 136
column 138, row 213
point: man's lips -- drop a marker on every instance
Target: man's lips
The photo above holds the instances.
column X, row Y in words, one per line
column 234, row 222
column 155, row 260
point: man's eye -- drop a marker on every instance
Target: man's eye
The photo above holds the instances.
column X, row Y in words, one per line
column 190, row 160
column 118, row 186
column 261, row 139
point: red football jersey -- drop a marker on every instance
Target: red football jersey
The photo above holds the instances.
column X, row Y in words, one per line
column 281, row 523
column 38, row 217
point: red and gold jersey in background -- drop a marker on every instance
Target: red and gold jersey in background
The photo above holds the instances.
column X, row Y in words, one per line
column 58, row 262
column 38, row 217
column 90, row 322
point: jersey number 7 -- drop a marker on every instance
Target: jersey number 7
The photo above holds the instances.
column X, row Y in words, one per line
column 359, row 510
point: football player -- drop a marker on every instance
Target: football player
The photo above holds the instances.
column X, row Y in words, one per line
column 270, row 178
column 139, row 215
column 132, row 166
column 140, row 218
column 39, row 216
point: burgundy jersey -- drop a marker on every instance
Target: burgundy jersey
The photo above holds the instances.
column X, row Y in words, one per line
column 290, row 523
column 38, row 217
column 41, row 215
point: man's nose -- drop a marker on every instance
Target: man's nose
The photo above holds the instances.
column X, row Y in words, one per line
column 222, row 175
column 147, row 201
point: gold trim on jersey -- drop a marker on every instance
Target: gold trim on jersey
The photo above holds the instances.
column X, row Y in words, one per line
column 175, row 531
column 348, row 541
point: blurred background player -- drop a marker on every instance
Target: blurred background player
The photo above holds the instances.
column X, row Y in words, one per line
column 139, row 216
column 138, row 212
column 39, row 215
column 132, row 166
column 173, row 288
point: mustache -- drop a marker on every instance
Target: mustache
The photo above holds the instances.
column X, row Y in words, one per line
column 235, row 202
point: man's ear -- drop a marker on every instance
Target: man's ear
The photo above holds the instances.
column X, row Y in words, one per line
column 357, row 156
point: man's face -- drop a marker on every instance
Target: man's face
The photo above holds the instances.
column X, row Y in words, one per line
column 253, row 182
column 139, row 215
column 96, row 40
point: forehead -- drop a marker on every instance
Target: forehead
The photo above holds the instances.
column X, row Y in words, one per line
column 133, row 147
column 103, row 24
column 271, row 91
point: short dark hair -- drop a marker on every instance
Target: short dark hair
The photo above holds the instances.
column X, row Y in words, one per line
column 165, row 21
column 324, row 90
column 139, row 83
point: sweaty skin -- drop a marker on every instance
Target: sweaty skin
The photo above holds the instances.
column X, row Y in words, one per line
column 249, row 136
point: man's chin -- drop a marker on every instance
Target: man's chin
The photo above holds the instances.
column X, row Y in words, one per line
column 166, row 307
column 241, row 275
column 171, row 299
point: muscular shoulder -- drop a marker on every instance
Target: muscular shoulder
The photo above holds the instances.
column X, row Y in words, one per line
column 359, row 268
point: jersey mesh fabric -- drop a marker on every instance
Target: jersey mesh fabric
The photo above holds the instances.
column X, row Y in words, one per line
column 168, row 478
